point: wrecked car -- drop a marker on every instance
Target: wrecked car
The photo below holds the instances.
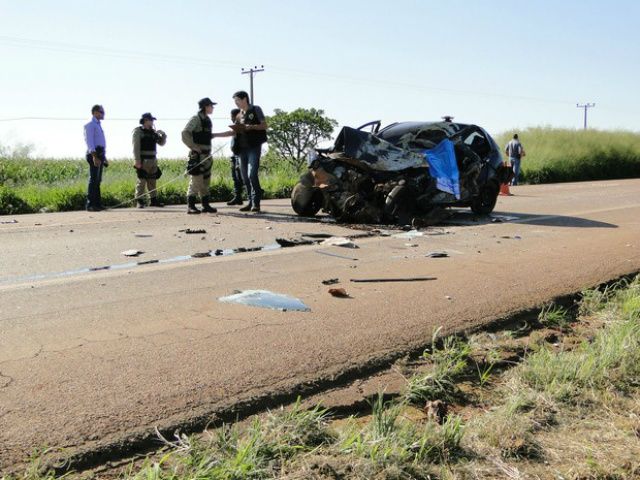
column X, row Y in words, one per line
column 405, row 173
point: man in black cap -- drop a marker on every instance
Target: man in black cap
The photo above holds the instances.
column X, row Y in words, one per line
column 197, row 136
column 145, row 139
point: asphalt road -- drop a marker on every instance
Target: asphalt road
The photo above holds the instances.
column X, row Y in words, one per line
column 93, row 356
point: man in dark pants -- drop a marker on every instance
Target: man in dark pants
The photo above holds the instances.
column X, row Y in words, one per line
column 250, row 134
column 96, row 157
column 236, row 174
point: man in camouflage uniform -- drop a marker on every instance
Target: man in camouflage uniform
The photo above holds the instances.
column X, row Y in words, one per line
column 197, row 136
column 145, row 139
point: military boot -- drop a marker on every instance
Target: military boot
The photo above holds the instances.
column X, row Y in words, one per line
column 192, row 205
column 205, row 205
column 155, row 202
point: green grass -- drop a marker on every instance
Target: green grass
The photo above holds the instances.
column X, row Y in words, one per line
column 449, row 358
column 563, row 155
column 40, row 185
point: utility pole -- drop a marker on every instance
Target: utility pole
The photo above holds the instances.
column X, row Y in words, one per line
column 252, row 72
column 585, row 106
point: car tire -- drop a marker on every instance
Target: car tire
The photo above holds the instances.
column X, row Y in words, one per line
column 485, row 201
column 306, row 200
column 397, row 203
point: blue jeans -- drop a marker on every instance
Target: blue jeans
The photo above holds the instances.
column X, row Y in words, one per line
column 515, row 163
column 93, row 188
column 249, row 164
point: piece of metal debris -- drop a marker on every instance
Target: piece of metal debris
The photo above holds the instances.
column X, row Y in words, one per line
column 9, row 221
column 132, row 253
column 331, row 281
column 410, row 234
column 146, row 262
column 315, row 235
column 266, row 299
column 438, row 255
column 293, row 242
column 335, row 255
column 339, row 242
column 409, row 279
column 143, row 235
column 338, row 292
column 193, row 230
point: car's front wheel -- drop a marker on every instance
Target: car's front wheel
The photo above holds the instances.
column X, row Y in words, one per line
column 485, row 201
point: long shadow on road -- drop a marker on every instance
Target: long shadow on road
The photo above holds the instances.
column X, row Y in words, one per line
column 466, row 218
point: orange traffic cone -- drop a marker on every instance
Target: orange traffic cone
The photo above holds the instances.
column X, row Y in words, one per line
column 504, row 189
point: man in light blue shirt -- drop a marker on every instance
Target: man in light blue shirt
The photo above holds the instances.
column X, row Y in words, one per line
column 96, row 157
column 515, row 152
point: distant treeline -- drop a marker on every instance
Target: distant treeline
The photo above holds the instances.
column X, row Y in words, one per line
column 29, row 185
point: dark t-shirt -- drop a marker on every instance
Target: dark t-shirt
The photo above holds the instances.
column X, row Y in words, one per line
column 250, row 118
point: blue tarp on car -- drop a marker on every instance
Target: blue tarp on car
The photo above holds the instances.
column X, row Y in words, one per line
column 443, row 166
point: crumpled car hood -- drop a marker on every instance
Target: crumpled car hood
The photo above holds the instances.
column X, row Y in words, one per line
column 376, row 153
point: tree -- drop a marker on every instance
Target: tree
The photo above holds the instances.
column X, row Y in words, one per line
column 292, row 134
column 17, row 151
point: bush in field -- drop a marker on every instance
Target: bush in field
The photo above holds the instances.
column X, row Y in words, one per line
column 10, row 203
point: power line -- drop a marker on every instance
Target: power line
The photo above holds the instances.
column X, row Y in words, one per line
column 108, row 52
column 137, row 55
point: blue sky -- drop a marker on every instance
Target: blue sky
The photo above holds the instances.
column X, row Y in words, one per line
column 501, row 65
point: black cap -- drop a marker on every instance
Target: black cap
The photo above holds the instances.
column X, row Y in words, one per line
column 146, row 116
column 205, row 102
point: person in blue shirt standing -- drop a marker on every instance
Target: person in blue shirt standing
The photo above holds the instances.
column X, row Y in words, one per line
column 515, row 152
column 96, row 157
